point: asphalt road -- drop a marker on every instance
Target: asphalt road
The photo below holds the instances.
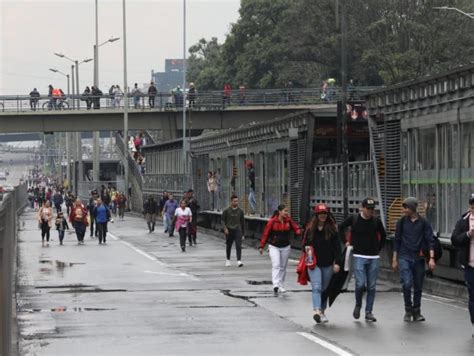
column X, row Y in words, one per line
column 139, row 295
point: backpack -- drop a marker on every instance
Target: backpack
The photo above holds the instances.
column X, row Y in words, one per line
column 438, row 248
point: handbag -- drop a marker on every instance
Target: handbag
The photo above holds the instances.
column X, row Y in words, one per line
column 304, row 264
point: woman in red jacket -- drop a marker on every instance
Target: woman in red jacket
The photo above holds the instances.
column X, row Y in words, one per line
column 277, row 233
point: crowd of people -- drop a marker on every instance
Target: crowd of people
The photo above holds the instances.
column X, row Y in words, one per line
column 135, row 144
column 331, row 252
column 98, row 211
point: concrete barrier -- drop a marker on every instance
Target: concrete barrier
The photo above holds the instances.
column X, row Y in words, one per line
column 11, row 206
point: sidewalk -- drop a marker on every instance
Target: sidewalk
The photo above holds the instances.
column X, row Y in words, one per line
column 139, row 295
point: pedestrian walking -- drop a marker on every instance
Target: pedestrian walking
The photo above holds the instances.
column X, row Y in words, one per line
column 150, row 209
column 121, row 204
column 277, row 234
column 86, row 96
column 183, row 217
column 234, row 230
column 367, row 236
column 90, row 208
column 321, row 234
column 226, row 95
column 34, row 98
column 45, row 218
column 136, row 94
column 118, row 95
column 58, row 201
column 251, row 177
column 168, row 213
column 61, row 226
column 193, row 205
column 101, row 215
column 211, row 188
column 152, row 91
column 78, row 219
column 463, row 239
column 192, row 95
column 413, row 236
column 163, row 200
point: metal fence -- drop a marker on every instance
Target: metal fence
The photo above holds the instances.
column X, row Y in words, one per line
column 10, row 207
column 84, row 188
column 204, row 100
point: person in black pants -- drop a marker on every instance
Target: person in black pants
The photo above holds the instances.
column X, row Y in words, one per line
column 234, row 228
column 90, row 208
column 152, row 91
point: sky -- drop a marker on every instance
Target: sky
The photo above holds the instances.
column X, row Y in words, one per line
column 31, row 31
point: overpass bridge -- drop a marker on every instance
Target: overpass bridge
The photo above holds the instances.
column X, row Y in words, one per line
column 209, row 110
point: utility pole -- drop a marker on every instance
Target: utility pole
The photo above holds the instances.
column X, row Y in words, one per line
column 96, row 135
column 342, row 110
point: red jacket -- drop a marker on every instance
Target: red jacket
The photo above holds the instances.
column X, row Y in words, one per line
column 73, row 216
column 278, row 233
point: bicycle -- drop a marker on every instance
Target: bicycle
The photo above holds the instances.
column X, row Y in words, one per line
column 60, row 105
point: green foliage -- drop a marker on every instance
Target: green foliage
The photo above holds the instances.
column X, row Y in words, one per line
column 299, row 40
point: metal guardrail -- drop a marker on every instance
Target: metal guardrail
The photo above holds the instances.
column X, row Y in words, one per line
column 10, row 208
column 204, row 100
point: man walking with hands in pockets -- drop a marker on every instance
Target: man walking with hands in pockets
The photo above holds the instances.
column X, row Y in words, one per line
column 234, row 228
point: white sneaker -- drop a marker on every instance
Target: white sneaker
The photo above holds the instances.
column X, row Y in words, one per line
column 239, row 264
column 324, row 319
column 282, row 290
column 227, row 263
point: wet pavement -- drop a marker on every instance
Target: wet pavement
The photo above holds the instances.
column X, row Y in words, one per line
column 140, row 295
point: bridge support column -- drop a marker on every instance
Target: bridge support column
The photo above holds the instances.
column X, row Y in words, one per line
column 80, row 168
column 96, row 154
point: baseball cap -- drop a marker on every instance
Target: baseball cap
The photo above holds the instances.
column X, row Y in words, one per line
column 368, row 203
column 321, row 208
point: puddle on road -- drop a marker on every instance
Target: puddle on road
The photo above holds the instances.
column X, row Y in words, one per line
column 60, row 265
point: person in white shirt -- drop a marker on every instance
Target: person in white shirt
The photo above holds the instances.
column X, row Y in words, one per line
column 183, row 217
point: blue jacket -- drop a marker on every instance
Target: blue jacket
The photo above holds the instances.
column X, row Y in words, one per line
column 412, row 237
column 101, row 213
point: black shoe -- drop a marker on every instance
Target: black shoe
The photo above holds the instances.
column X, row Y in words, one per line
column 317, row 318
column 417, row 315
column 183, row 249
column 356, row 312
column 408, row 314
column 165, row 231
column 275, row 291
column 370, row 317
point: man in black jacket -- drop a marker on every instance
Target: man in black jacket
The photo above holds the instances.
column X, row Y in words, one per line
column 463, row 238
column 150, row 209
column 367, row 236
column 151, row 95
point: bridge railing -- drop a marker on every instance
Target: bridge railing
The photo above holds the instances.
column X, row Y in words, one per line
column 203, row 100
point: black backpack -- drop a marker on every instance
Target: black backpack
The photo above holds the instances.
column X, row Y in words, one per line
column 438, row 248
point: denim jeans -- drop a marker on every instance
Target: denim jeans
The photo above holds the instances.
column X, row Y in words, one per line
column 61, row 235
column 320, row 277
column 252, row 201
column 412, row 274
column 365, row 273
column 469, row 278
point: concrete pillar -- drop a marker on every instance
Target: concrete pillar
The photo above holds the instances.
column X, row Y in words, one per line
column 80, row 168
column 96, row 154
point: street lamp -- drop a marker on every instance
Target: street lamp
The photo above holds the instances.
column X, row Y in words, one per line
column 185, row 156
column 66, row 75
column 125, row 107
column 96, row 58
column 76, row 62
column 468, row 14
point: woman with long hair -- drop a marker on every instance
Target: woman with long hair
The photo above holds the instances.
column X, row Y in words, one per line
column 277, row 233
column 45, row 218
column 321, row 234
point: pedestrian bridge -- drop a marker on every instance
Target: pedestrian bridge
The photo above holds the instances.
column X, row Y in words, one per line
column 209, row 110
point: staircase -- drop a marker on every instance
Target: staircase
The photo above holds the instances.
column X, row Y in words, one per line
column 395, row 211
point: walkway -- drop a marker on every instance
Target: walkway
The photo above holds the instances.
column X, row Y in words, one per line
column 139, row 295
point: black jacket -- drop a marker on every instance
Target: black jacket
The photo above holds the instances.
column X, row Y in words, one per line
column 461, row 240
column 150, row 207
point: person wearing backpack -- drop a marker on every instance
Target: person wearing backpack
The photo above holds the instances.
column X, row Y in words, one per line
column 413, row 235
column 367, row 236
column 463, row 239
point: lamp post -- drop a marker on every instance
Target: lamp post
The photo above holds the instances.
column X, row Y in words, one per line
column 68, row 172
column 468, row 14
column 64, row 74
column 96, row 135
column 78, row 134
column 125, row 107
column 185, row 156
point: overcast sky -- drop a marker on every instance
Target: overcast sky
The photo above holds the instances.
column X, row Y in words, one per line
column 32, row 30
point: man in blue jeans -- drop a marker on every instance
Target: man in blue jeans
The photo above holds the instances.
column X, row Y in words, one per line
column 367, row 236
column 413, row 236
